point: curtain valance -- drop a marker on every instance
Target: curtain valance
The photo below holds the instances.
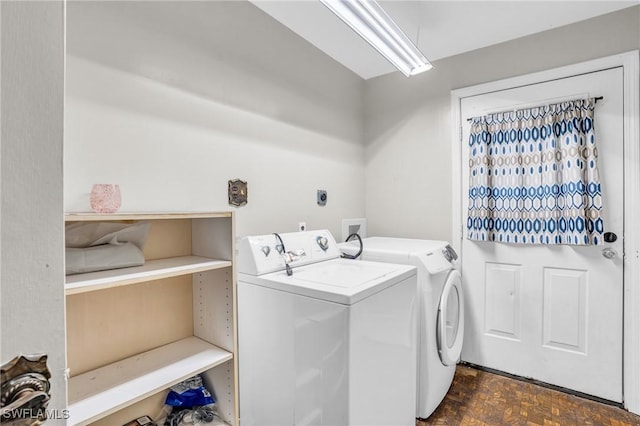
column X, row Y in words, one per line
column 533, row 176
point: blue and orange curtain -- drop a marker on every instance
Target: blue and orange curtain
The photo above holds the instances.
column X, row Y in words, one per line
column 533, row 176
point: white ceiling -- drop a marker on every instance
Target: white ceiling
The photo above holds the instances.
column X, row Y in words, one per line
column 441, row 28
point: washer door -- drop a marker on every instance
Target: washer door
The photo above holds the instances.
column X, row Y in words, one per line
column 450, row 327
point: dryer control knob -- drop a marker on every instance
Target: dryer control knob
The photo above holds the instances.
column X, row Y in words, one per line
column 450, row 254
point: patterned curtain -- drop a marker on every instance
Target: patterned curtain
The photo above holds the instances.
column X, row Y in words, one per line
column 533, row 176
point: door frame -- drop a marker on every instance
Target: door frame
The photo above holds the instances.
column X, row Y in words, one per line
column 629, row 61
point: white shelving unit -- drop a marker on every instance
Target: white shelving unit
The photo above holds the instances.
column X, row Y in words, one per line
column 134, row 332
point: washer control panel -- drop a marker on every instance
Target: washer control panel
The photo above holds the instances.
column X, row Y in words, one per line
column 261, row 254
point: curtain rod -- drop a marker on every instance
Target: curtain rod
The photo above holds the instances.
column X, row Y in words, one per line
column 596, row 99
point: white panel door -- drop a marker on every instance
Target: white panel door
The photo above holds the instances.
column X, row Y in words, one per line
column 552, row 313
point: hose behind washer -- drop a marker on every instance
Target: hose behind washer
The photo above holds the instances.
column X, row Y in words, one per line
column 353, row 256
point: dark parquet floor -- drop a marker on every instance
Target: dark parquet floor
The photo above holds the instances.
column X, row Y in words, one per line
column 481, row 398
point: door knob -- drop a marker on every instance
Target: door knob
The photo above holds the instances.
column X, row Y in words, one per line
column 609, row 253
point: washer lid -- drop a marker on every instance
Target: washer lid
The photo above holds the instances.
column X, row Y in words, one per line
column 341, row 281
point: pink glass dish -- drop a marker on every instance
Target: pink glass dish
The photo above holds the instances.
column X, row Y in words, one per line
column 105, row 198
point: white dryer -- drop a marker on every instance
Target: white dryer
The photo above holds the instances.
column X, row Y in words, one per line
column 323, row 340
column 441, row 309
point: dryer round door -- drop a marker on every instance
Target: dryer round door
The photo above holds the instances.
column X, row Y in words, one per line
column 450, row 326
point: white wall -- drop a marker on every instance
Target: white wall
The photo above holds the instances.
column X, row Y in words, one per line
column 172, row 99
column 408, row 122
column 32, row 274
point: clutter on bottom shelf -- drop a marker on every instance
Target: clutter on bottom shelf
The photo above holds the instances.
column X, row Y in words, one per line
column 189, row 403
column 141, row 421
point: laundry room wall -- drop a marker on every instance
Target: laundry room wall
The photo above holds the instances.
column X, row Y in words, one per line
column 408, row 122
column 170, row 100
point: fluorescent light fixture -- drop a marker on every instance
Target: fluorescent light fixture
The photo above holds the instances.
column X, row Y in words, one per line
column 371, row 22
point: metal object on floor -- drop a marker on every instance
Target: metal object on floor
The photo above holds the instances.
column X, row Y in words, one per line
column 24, row 395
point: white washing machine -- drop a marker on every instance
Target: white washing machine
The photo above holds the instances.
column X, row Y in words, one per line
column 323, row 340
column 441, row 313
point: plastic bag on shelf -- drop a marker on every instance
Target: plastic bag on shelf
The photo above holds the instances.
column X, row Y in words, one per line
column 189, row 403
column 189, row 393
column 198, row 416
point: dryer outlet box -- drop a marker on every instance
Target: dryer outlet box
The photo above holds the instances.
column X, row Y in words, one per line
column 322, row 197
column 354, row 226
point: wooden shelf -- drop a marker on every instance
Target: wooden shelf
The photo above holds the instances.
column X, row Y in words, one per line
column 88, row 217
column 151, row 270
column 103, row 391
column 187, row 283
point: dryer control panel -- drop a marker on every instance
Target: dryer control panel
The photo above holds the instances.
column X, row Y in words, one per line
column 262, row 254
column 439, row 260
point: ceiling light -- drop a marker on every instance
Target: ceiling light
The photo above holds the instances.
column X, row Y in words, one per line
column 372, row 23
